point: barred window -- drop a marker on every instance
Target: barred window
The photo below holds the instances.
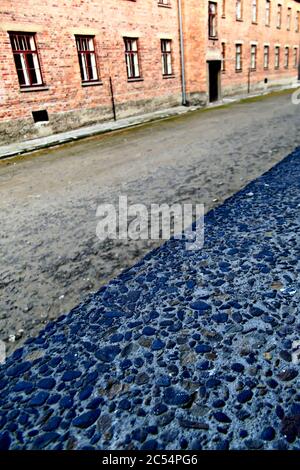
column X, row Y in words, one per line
column 26, row 59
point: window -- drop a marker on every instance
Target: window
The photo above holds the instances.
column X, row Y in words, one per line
column 277, row 57
column 26, row 59
column 286, row 57
column 223, row 53
column 288, row 19
column 297, row 25
column 295, row 57
column 132, row 58
column 87, row 58
column 266, row 57
column 164, row 2
column 253, row 57
column 238, row 57
column 166, row 57
column 223, row 8
column 212, row 20
column 238, row 10
column 279, row 14
column 268, row 13
column 254, row 11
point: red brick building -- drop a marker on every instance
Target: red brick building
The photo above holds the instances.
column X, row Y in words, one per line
column 63, row 64
column 239, row 46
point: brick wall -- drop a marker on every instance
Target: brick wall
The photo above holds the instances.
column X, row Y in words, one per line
column 230, row 31
column 68, row 103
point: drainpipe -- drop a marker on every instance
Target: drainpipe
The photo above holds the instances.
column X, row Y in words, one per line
column 183, row 84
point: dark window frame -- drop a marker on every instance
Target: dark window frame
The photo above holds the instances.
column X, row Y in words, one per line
column 166, row 56
column 254, row 21
column 82, row 52
column 17, row 52
column 266, row 48
column 223, row 55
column 130, row 54
column 240, row 46
column 268, row 9
column 253, row 47
column 212, row 20
column 277, row 56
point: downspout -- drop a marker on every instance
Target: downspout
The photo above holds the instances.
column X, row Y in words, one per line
column 183, row 84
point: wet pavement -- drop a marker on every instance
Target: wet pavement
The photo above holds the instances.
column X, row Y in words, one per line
column 185, row 350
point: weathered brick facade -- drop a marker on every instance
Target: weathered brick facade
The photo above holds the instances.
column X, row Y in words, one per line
column 71, row 103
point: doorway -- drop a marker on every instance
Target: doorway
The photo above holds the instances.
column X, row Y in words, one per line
column 214, row 69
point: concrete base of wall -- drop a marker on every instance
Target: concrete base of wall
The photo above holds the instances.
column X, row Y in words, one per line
column 258, row 86
column 20, row 130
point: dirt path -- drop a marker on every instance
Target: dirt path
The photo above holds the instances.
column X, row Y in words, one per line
column 50, row 257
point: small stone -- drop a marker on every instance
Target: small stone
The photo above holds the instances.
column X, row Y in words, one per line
column 108, row 353
column 237, row 367
column 285, row 355
column 189, row 424
column 86, row 393
column 244, row 396
column 163, row 381
column 212, row 383
column 203, row 348
column 220, row 317
column 71, row 375
column 222, row 417
column 42, row 441
column 19, row 369
column 46, row 384
column 268, row 434
column 177, row 397
column 52, row 423
column 39, row 399
column 254, row 444
column 157, row 345
column 142, row 378
column 288, row 375
column 200, row 306
column 5, row 441
column 125, row 404
column 151, row 444
column 295, row 409
column 149, row 331
column 86, row 419
column 159, row 409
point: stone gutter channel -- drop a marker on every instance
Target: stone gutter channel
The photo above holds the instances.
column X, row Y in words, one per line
column 185, row 350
